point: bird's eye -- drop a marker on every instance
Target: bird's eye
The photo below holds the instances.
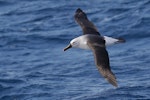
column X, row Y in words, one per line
column 74, row 43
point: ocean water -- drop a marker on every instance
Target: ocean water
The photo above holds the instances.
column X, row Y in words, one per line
column 33, row 65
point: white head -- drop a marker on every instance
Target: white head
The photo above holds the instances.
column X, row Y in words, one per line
column 73, row 43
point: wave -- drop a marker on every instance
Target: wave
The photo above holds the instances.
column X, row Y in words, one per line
column 5, row 3
column 27, row 96
column 27, row 40
column 115, row 94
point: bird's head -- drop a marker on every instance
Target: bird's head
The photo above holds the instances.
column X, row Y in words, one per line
column 73, row 43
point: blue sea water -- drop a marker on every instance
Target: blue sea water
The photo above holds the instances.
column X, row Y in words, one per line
column 33, row 65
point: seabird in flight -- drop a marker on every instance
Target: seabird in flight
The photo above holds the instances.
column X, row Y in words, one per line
column 92, row 39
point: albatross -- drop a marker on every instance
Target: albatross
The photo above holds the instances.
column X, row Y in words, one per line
column 94, row 41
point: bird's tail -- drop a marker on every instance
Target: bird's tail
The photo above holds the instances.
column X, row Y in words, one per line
column 121, row 40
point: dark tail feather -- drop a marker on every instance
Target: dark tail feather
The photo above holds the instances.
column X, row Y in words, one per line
column 121, row 40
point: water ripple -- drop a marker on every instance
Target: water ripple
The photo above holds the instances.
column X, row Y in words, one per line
column 33, row 65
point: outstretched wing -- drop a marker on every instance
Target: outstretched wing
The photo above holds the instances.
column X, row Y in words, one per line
column 87, row 26
column 102, row 62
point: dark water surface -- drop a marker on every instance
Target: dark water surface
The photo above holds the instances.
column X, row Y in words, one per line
column 33, row 65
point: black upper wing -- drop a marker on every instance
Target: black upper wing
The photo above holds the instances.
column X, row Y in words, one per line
column 102, row 61
column 87, row 26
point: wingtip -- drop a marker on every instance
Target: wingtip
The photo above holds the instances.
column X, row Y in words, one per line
column 112, row 82
column 115, row 85
column 111, row 78
column 78, row 10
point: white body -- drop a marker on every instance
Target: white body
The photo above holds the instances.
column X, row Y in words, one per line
column 81, row 42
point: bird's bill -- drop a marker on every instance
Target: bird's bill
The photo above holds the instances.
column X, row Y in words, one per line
column 69, row 46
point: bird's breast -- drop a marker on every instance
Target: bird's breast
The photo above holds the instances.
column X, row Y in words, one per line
column 83, row 45
column 83, row 42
